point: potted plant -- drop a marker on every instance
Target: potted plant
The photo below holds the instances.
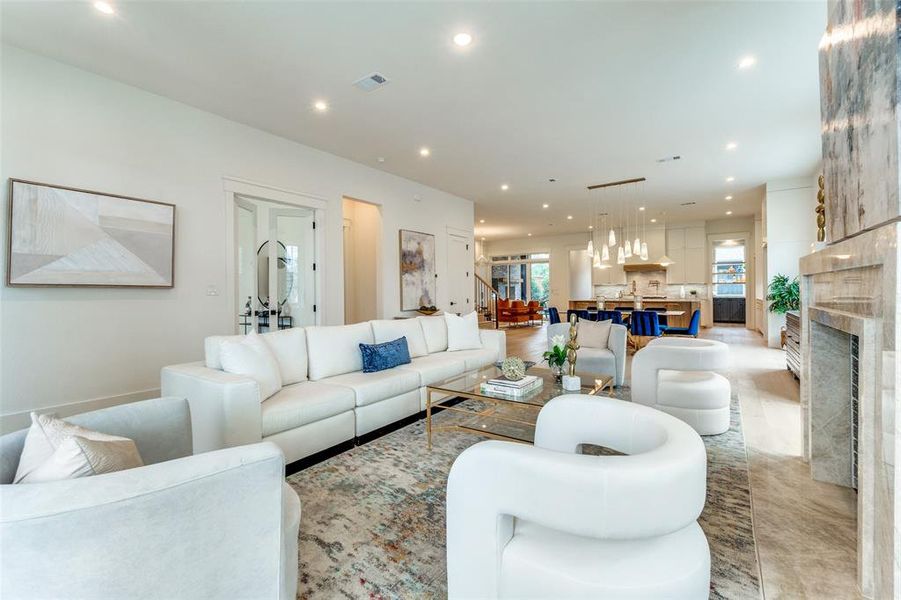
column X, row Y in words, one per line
column 784, row 294
column 556, row 356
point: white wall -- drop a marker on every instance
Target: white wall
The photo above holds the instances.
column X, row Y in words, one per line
column 790, row 228
column 66, row 126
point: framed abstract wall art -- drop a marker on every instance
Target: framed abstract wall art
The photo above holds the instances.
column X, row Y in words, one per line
column 417, row 270
column 60, row 236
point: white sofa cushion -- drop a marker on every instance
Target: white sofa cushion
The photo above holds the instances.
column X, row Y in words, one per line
column 78, row 456
column 381, row 385
column 336, row 350
column 436, row 367
column 249, row 355
column 594, row 334
column 474, row 359
column 304, row 403
column 692, row 389
column 289, row 347
column 211, row 347
column 435, row 331
column 462, row 332
column 45, row 436
column 390, row 330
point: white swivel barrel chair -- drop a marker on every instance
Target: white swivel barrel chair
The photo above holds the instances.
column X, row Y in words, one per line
column 676, row 375
column 221, row 524
column 547, row 521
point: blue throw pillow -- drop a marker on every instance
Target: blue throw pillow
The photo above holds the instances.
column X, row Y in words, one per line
column 378, row 357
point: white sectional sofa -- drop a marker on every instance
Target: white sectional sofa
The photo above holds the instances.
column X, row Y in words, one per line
column 325, row 398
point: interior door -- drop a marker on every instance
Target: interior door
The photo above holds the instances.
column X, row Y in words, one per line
column 460, row 287
column 245, row 262
column 292, row 269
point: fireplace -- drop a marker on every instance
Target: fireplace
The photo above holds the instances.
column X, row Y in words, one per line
column 848, row 337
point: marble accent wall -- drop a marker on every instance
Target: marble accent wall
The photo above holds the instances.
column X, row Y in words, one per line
column 859, row 61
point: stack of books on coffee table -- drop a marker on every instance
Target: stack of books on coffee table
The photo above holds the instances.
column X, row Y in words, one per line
column 507, row 387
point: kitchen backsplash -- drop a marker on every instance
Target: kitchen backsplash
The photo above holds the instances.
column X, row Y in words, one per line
column 670, row 291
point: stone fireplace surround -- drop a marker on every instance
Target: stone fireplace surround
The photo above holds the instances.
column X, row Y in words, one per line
column 852, row 287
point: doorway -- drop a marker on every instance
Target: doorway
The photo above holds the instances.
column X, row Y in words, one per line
column 275, row 263
column 362, row 243
column 729, row 280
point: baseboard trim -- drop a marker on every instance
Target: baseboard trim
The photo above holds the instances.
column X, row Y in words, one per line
column 20, row 420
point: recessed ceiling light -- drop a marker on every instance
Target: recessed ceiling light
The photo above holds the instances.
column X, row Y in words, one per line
column 728, row 212
column 591, row 227
column 505, row 187
column 321, row 105
column 424, row 151
column 530, row 235
column 728, row 197
column 569, row 217
column 104, row 7
column 481, row 220
column 381, row 159
column 653, row 220
column 641, row 208
column 483, row 239
column 730, row 179
column 731, row 146
column 463, row 39
column 747, row 62
column 545, row 205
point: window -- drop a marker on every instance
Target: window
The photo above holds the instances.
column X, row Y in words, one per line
column 729, row 269
column 522, row 276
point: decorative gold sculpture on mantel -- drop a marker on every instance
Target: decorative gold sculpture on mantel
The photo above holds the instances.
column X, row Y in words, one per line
column 573, row 344
column 821, row 209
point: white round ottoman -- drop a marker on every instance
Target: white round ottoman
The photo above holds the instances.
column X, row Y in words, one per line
column 676, row 375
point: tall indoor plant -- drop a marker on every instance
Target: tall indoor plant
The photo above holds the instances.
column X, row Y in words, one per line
column 784, row 294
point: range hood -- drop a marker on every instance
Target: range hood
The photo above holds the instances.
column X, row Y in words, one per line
column 642, row 267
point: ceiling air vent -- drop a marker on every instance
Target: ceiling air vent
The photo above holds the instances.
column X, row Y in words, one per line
column 373, row 81
column 688, row 204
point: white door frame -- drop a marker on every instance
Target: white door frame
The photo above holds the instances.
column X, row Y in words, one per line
column 468, row 238
column 747, row 239
column 240, row 187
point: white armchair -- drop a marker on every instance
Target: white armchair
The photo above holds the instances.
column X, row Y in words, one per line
column 676, row 375
column 217, row 525
column 545, row 521
column 601, row 361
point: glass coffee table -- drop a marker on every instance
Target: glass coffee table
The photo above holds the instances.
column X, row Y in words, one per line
column 498, row 416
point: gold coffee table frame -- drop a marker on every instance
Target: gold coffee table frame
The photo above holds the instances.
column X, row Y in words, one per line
column 521, row 413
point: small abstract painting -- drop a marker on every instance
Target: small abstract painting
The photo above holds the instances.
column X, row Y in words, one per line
column 62, row 236
column 417, row 270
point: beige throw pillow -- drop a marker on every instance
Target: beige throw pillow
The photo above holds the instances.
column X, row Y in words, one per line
column 82, row 457
column 48, row 434
column 594, row 334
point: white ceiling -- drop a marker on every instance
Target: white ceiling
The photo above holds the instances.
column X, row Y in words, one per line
column 583, row 92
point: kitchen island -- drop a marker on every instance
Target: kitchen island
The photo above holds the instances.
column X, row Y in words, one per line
column 689, row 305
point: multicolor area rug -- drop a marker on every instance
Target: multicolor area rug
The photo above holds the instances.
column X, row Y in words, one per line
column 372, row 524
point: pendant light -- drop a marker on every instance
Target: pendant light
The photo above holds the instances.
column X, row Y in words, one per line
column 605, row 253
column 628, row 250
column 611, row 238
column 597, row 260
column 620, row 256
column 644, row 251
column 590, row 249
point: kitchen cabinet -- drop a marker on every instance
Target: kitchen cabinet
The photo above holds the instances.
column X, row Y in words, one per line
column 696, row 265
column 687, row 247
